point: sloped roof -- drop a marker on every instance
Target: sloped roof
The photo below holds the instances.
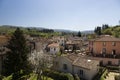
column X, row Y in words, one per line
column 71, row 57
column 83, row 62
column 53, row 45
column 108, row 38
column 3, row 39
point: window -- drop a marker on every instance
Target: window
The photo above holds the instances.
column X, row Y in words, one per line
column 104, row 43
column 54, row 49
column 119, row 62
column 113, row 52
column 65, row 66
column 81, row 72
column 101, row 63
column 109, row 63
column 104, row 50
column 113, row 44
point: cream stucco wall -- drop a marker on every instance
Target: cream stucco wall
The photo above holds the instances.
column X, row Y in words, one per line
column 88, row 73
column 63, row 61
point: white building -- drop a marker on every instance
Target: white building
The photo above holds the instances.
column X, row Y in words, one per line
column 54, row 48
column 84, row 67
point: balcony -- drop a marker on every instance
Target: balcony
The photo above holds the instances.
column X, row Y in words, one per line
column 107, row 55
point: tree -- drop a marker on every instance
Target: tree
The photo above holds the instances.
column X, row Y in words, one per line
column 98, row 30
column 17, row 57
column 105, row 26
column 108, row 32
column 41, row 62
column 79, row 34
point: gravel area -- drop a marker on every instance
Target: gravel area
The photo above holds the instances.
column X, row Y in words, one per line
column 111, row 76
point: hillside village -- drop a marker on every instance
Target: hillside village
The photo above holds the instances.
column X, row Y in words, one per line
column 89, row 57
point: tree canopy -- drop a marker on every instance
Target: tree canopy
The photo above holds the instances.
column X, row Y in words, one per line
column 98, row 30
column 79, row 34
column 17, row 56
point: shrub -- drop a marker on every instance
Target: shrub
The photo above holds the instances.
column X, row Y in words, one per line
column 70, row 76
column 113, row 67
column 1, row 77
column 58, row 75
column 76, row 77
column 103, row 76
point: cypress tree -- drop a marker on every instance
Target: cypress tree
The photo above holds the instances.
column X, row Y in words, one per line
column 79, row 34
column 17, row 56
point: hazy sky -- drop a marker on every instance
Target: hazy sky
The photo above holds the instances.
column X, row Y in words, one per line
column 60, row 14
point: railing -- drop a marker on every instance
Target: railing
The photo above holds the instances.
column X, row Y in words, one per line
column 107, row 56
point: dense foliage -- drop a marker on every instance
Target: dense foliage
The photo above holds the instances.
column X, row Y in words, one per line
column 103, row 72
column 16, row 61
column 79, row 34
column 98, row 30
column 108, row 30
column 115, row 31
column 9, row 30
column 58, row 76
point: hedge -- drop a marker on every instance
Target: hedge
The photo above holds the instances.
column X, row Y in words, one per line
column 100, row 74
column 103, row 76
column 113, row 67
column 58, row 75
column 76, row 77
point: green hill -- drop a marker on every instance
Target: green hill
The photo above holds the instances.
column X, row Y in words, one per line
column 33, row 31
column 114, row 31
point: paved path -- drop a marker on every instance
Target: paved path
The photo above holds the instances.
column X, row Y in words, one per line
column 111, row 76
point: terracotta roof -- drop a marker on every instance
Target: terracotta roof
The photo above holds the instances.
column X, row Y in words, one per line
column 53, row 45
column 108, row 38
column 75, row 38
column 69, row 42
column 3, row 39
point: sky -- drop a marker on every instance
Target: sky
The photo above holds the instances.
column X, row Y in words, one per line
column 77, row 15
